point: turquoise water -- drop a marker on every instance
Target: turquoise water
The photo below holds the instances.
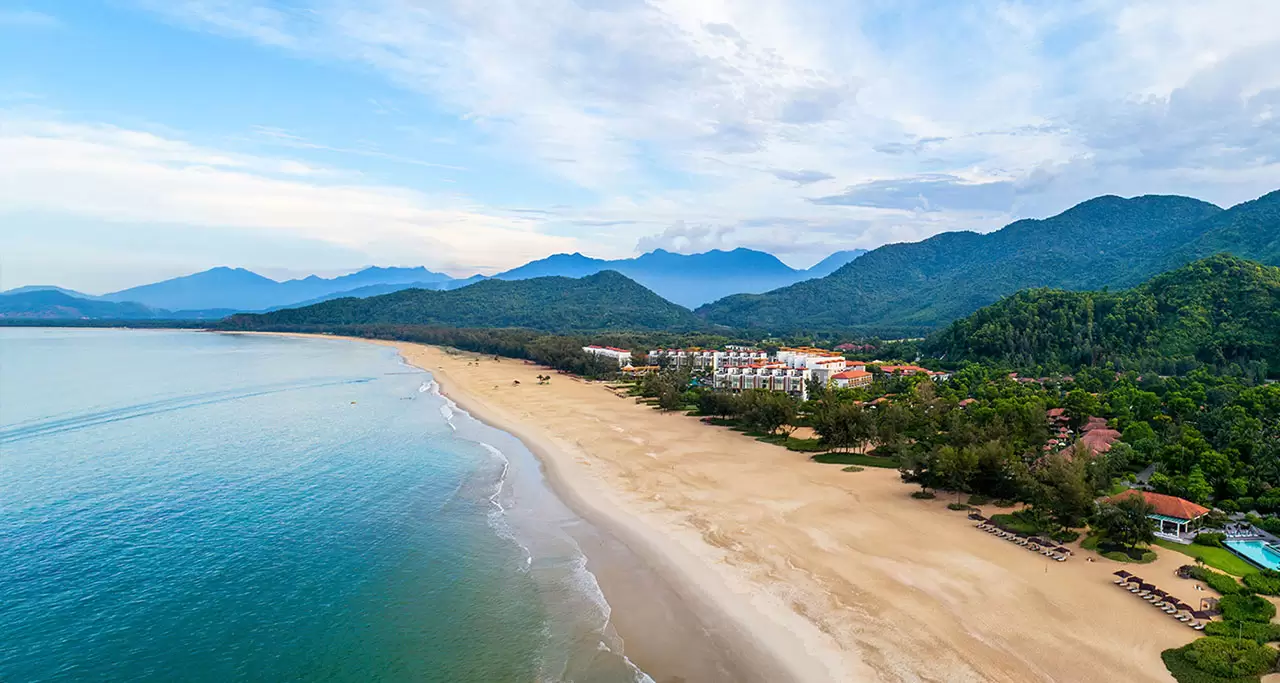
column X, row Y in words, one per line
column 1260, row 553
column 179, row 505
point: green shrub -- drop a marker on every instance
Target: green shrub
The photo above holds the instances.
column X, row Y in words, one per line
column 1230, row 657
column 1210, row 538
column 852, row 468
column 1006, row 503
column 979, row 499
column 957, row 506
column 1246, row 503
column 1223, row 583
column 1065, row 535
column 923, row 495
column 1229, row 505
column 1140, row 557
column 1270, row 525
column 1241, row 607
column 1185, row 671
column 1258, row 632
column 1266, row 582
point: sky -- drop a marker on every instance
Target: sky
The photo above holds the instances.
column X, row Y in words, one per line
column 145, row 139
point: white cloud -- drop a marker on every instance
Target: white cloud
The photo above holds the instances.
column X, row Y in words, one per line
column 130, row 176
column 728, row 123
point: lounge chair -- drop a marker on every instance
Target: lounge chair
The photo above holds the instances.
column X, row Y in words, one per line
column 1183, row 618
column 1198, row 626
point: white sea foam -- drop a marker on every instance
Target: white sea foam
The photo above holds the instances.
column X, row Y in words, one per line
column 577, row 576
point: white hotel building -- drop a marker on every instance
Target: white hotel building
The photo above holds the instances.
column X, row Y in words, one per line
column 622, row 356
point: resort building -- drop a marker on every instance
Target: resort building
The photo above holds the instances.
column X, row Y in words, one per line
column 913, row 370
column 1176, row 519
column 621, row 356
column 772, row 376
column 852, row 379
column 706, row 360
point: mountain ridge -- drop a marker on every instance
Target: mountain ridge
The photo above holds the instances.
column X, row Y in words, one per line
column 1106, row 241
column 606, row 300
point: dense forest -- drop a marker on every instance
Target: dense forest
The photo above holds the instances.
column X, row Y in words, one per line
column 1221, row 311
column 1104, row 242
column 603, row 301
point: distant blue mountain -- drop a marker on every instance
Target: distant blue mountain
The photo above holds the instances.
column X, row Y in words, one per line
column 54, row 303
column 833, row 263
column 242, row 290
column 686, row 279
column 48, row 288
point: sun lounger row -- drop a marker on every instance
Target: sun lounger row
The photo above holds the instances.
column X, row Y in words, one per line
column 1032, row 543
column 1161, row 600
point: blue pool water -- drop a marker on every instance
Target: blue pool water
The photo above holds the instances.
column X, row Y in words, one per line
column 1260, row 553
column 180, row 505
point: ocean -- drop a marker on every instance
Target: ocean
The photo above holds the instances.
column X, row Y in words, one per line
column 183, row 505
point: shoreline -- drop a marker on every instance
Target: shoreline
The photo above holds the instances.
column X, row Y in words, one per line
column 698, row 592
column 802, row 572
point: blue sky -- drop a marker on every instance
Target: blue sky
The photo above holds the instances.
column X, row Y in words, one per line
column 142, row 139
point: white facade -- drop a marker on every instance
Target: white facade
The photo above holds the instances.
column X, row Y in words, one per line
column 705, row 359
column 773, row 376
column 621, row 356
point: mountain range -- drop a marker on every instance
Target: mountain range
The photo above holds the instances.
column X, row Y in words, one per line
column 39, row 303
column 1220, row 310
column 606, row 300
column 689, row 280
column 1104, row 242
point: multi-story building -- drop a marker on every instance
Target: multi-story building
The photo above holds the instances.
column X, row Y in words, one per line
column 622, row 356
column 852, row 379
column 913, row 370
column 772, row 376
column 706, row 360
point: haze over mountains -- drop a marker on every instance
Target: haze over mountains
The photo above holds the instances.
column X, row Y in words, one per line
column 1106, row 242
column 601, row 301
column 689, row 280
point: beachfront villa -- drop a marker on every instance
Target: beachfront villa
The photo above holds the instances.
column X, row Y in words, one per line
column 1176, row 519
column 622, row 356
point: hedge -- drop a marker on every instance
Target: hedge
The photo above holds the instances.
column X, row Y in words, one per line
column 1230, row 657
column 1184, row 670
column 1261, row 633
column 1246, row 608
column 1223, row 583
column 1266, row 582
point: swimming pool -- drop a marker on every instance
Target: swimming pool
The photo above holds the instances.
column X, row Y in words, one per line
column 1261, row 553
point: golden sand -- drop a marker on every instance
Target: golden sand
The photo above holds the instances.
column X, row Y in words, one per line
column 812, row 573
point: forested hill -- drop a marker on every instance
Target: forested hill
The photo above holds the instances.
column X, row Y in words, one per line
column 604, row 301
column 1219, row 311
column 1104, row 242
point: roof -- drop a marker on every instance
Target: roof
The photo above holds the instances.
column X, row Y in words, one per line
column 1165, row 506
column 851, row 374
column 1055, row 413
column 1095, row 423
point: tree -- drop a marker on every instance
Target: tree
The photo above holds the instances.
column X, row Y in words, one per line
column 1079, row 406
column 956, row 467
column 1126, row 521
column 768, row 411
column 916, row 467
column 717, row 403
column 1068, row 496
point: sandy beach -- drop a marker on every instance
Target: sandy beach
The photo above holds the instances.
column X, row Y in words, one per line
column 802, row 572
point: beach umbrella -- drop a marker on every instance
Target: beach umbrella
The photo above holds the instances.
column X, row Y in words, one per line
column 1123, row 574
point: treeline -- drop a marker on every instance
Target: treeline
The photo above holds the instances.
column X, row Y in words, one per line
column 1221, row 312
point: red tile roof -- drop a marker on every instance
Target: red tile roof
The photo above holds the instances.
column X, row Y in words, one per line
column 1168, row 506
column 851, row 374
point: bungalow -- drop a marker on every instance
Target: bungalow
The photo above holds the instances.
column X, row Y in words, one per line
column 1175, row 518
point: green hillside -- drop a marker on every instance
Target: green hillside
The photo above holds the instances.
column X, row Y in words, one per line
column 48, row 304
column 1104, row 242
column 604, row 301
column 1218, row 311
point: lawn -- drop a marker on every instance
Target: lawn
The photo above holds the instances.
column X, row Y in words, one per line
column 1218, row 558
column 856, row 459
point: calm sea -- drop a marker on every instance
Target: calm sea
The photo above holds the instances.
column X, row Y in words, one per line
column 179, row 505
